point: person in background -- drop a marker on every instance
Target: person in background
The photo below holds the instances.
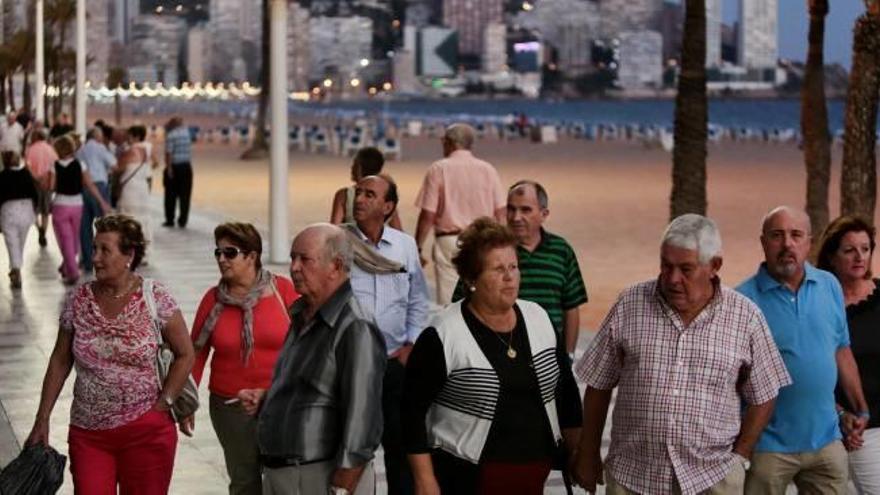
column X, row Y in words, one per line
column 847, row 250
column 100, row 164
column 121, row 430
column 244, row 321
column 804, row 308
column 367, row 161
column 61, row 126
column 138, row 134
column 12, row 138
column 68, row 179
column 18, row 198
column 40, row 158
column 489, row 397
column 178, row 177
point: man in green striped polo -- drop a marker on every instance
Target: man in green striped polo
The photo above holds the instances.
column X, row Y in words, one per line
column 549, row 271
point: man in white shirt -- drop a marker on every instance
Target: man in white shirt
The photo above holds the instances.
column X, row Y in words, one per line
column 13, row 135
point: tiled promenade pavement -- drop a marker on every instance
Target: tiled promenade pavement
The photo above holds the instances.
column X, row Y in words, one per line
column 29, row 323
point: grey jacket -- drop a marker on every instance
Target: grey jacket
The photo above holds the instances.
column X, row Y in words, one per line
column 325, row 401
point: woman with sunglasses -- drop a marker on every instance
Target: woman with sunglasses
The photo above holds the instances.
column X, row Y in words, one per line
column 244, row 319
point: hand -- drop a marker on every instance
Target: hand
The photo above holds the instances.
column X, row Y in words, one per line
column 161, row 406
column 39, row 433
column 404, row 352
column 188, row 425
column 427, row 486
column 106, row 208
column 250, row 399
column 423, row 260
column 853, row 442
column 347, row 478
column 169, row 172
column 587, row 470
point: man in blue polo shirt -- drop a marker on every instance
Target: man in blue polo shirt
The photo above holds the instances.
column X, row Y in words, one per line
column 804, row 308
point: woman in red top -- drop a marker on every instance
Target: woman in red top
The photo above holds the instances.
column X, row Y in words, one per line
column 244, row 319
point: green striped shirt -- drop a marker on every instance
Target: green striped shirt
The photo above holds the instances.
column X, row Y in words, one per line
column 550, row 276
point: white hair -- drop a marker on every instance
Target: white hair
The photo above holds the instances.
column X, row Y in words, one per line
column 694, row 232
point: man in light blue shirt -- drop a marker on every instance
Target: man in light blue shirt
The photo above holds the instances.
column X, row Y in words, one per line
column 100, row 163
column 805, row 311
column 397, row 295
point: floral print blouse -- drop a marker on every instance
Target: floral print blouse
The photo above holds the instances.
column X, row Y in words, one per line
column 115, row 358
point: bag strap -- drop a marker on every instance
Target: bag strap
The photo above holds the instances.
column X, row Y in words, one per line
column 151, row 307
column 280, row 299
column 123, row 182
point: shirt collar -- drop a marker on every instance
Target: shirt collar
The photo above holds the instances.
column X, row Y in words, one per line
column 383, row 238
column 461, row 152
column 709, row 309
column 330, row 310
column 538, row 247
column 767, row 282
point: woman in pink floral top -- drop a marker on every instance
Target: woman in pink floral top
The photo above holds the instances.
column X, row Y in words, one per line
column 121, row 431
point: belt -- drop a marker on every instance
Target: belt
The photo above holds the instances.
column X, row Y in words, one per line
column 445, row 234
column 275, row 462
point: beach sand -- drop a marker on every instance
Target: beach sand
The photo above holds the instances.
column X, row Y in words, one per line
column 609, row 200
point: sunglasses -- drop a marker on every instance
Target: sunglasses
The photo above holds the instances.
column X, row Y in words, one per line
column 229, row 253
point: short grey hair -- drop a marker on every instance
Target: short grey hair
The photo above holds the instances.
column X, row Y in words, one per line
column 460, row 135
column 540, row 192
column 95, row 133
column 794, row 212
column 337, row 246
column 694, row 232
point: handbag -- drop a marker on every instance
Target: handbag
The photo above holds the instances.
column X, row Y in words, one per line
column 117, row 184
column 188, row 401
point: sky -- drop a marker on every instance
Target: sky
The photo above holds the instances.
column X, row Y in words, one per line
column 793, row 23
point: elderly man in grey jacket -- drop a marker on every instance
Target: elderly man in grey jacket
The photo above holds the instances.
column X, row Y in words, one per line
column 320, row 422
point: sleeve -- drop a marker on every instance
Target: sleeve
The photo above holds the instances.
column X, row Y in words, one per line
column 31, row 187
column 362, row 359
column 766, row 373
column 417, row 305
column 842, row 336
column 600, row 365
column 109, row 158
column 429, row 195
column 500, row 193
column 205, row 307
column 166, row 305
column 65, row 319
column 574, row 293
column 424, row 378
column 568, row 396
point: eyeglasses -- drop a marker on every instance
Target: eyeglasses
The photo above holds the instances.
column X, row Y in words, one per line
column 230, row 252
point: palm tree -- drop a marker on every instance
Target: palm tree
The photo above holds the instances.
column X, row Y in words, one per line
column 691, row 116
column 59, row 15
column 858, row 180
column 259, row 148
column 814, row 122
column 116, row 77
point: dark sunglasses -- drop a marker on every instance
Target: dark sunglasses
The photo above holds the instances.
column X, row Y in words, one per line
column 229, row 253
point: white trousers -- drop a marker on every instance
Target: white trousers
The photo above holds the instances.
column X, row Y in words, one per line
column 16, row 218
column 445, row 248
column 864, row 464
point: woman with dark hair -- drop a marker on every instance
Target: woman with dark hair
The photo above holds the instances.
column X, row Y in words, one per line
column 846, row 250
column 244, row 319
column 121, row 430
column 367, row 161
column 489, row 394
column 69, row 178
column 134, row 195
column 18, row 199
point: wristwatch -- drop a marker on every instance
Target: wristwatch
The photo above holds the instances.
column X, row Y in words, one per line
column 336, row 490
column 167, row 400
column 746, row 464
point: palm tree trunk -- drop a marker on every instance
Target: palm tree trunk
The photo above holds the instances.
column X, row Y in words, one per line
column 2, row 93
column 259, row 148
column 26, row 90
column 691, row 117
column 117, row 109
column 11, row 92
column 814, row 122
column 858, row 180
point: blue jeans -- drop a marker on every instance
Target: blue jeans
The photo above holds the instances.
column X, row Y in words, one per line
column 91, row 211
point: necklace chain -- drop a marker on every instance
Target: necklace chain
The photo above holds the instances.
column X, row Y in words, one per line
column 511, row 352
column 107, row 291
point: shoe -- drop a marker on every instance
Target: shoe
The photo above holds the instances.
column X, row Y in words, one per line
column 168, row 224
column 70, row 281
column 15, row 278
column 42, row 240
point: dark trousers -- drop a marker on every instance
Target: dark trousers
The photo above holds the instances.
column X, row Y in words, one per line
column 178, row 188
column 91, row 211
column 397, row 470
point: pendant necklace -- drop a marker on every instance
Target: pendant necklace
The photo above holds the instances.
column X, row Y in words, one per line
column 511, row 352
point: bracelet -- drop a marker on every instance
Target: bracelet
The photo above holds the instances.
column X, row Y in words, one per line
column 840, row 413
column 864, row 415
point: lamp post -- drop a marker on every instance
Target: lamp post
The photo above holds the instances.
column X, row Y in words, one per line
column 81, row 67
column 279, row 248
column 39, row 65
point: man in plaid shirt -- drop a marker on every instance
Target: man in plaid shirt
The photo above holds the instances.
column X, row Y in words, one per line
column 685, row 353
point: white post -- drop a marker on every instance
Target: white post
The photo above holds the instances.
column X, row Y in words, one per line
column 39, row 66
column 81, row 67
column 279, row 247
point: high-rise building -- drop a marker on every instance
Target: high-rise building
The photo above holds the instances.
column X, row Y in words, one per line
column 641, row 60
column 227, row 31
column 155, row 49
column 713, row 33
column 569, row 26
column 470, row 18
column 338, row 45
column 298, row 48
column 121, row 13
column 13, row 17
column 495, row 48
column 98, row 41
column 758, row 28
column 196, row 54
column 618, row 16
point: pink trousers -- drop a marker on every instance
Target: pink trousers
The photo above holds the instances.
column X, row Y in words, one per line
column 65, row 223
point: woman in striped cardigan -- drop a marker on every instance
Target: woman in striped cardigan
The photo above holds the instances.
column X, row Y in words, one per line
column 489, row 396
